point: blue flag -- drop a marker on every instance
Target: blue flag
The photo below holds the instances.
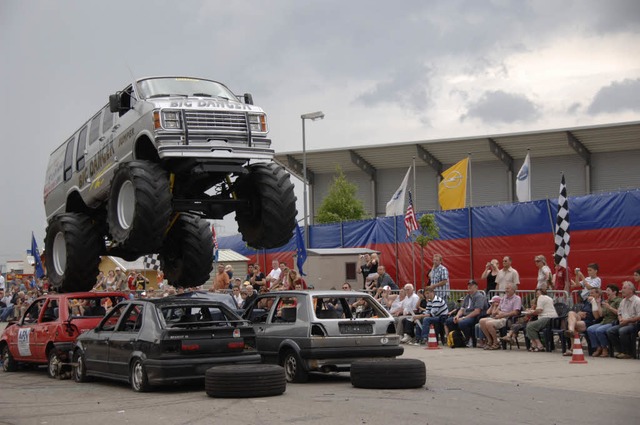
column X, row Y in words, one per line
column 37, row 266
column 301, row 250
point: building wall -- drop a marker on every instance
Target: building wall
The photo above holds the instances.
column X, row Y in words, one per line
column 609, row 171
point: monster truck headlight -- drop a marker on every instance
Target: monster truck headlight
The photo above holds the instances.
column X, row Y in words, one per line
column 258, row 123
column 171, row 120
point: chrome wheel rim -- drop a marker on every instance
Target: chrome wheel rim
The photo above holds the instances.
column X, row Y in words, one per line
column 59, row 253
column 136, row 375
column 290, row 367
column 54, row 365
column 126, row 205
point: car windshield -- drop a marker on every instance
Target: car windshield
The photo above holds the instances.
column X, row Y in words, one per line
column 91, row 307
column 180, row 86
column 198, row 315
column 340, row 307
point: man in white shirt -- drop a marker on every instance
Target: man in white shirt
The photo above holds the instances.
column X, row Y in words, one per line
column 274, row 274
column 2, row 282
column 623, row 335
column 408, row 305
column 507, row 275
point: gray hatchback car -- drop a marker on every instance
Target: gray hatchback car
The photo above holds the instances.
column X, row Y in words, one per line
column 323, row 331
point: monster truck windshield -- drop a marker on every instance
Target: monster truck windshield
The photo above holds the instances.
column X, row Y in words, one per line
column 179, row 86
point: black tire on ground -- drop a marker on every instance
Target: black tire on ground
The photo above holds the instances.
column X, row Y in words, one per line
column 8, row 362
column 293, row 367
column 54, row 366
column 138, row 377
column 186, row 256
column 80, row 369
column 244, row 381
column 139, row 206
column 73, row 245
column 388, row 373
column 270, row 219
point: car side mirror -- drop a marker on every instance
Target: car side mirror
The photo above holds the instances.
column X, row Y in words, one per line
column 248, row 99
column 114, row 102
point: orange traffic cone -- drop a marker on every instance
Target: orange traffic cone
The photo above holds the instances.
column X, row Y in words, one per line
column 578, row 355
column 432, row 342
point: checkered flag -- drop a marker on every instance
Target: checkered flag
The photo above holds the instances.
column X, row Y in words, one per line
column 562, row 227
column 151, row 262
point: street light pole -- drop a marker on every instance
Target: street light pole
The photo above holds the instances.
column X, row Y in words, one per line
column 310, row 116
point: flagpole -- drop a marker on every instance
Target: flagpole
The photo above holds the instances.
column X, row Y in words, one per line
column 415, row 203
column 395, row 238
column 470, row 220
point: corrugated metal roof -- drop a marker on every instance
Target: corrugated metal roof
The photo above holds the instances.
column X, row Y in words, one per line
column 602, row 138
column 230, row 256
column 340, row 251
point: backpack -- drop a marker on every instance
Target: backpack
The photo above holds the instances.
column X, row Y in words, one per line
column 455, row 339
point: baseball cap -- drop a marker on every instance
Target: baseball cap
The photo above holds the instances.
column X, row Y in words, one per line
column 386, row 287
column 495, row 299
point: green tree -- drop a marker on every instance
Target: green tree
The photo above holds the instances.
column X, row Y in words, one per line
column 341, row 203
column 429, row 231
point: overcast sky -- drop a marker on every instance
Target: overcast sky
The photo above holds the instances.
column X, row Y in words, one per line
column 381, row 71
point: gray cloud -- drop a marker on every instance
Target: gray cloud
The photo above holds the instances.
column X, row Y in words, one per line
column 409, row 88
column 617, row 97
column 62, row 59
column 500, row 107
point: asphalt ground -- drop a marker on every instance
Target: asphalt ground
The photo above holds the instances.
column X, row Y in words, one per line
column 464, row 385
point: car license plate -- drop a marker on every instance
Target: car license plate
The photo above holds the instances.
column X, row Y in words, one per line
column 356, row 328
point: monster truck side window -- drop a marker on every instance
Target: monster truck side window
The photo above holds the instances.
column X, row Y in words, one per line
column 107, row 120
column 82, row 144
column 68, row 160
column 95, row 128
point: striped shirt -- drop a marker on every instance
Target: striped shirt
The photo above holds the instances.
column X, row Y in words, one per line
column 437, row 307
column 439, row 274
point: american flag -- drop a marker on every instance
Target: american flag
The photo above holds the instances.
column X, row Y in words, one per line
column 410, row 218
column 215, row 243
column 562, row 227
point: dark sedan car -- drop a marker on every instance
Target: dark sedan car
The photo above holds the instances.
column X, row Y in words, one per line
column 150, row 342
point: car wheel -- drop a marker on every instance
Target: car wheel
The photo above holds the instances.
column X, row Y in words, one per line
column 73, row 245
column 388, row 373
column 54, row 365
column 8, row 362
column 270, row 218
column 294, row 368
column 139, row 206
column 139, row 378
column 186, row 256
column 244, row 381
column 80, row 369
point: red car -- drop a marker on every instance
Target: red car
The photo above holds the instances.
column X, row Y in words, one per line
column 47, row 331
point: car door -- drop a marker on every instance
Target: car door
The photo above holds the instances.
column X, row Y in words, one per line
column 123, row 340
column 281, row 323
column 48, row 325
column 29, row 342
column 96, row 346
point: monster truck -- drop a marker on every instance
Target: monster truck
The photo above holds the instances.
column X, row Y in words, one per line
column 143, row 174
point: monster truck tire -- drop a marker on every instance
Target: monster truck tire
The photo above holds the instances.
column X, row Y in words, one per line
column 73, row 245
column 243, row 381
column 269, row 220
column 186, row 256
column 388, row 373
column 139, row 206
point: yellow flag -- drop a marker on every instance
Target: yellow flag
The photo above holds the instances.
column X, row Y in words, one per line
column 452, row 191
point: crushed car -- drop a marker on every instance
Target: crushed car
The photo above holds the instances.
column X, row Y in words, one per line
column 321, row 331
column 47, row 331
column 150, row 342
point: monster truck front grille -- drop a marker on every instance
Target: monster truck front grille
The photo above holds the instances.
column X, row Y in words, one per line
column 223, row 122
